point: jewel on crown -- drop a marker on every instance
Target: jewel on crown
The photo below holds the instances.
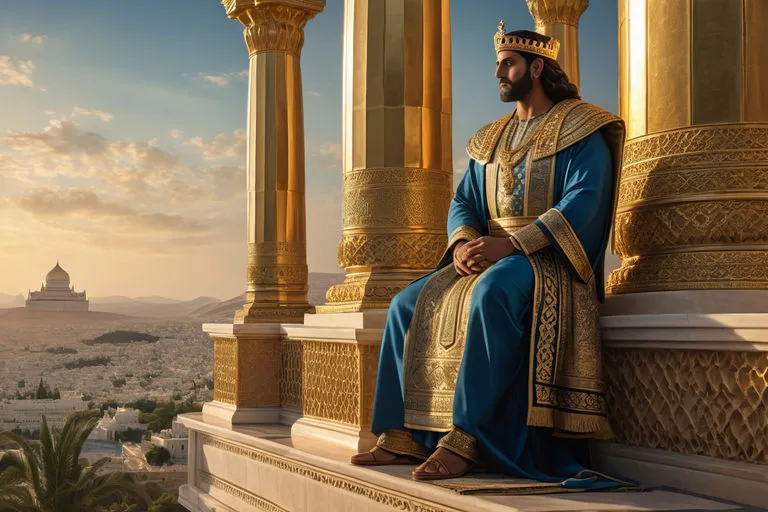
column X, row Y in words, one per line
column 504, row 42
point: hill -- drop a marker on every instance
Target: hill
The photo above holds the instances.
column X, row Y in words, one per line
column 223, row 311
column 11, row 301
column 150, row 307
column 23, row 315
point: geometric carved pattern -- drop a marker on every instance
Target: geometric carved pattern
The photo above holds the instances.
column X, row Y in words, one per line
column 418, row 250
column 247, row 371
column 676, row 226
column 686, row 195
column 291, row 370
column 690, row 401
column 208, row 480
column 391, row 499
column 225, row 370
column 393, row 223
column 329, row 380
column 691, row 270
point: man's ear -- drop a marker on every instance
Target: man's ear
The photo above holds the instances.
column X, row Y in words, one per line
column 537, row 66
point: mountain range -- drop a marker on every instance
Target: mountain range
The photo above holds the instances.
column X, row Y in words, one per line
column 203, row 309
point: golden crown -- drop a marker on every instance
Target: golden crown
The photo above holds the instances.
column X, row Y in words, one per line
column 504, row 42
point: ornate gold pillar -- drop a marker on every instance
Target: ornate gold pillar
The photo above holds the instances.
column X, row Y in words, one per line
column 686, row 323
column 277, row 254
column 693, row 199
column 560, row 19
column 397, row 148
column 247, row 356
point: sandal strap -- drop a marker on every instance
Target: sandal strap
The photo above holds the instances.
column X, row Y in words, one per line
column 400, row 442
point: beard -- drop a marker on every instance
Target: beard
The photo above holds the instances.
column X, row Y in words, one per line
column 518, row 90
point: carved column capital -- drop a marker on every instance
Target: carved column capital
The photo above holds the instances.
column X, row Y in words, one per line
column 273, row 25
column 557, row 12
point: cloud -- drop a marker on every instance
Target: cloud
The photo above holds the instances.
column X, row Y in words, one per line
column 221, row 146
column 63, row 203
column 224, row 79
column 15, row 71
column 89, row 112
column 313, row 93
column 58, row 204
column 177, row 134
column 332, row 150
column 62, row 137
column 39, row 39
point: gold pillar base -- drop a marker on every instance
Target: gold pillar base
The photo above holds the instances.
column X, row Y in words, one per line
column 255, row 313
column 364, row 290
column 246, row 369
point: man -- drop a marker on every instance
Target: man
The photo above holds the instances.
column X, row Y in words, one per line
column 494, row 361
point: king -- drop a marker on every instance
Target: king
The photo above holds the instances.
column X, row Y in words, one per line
column 492, row 361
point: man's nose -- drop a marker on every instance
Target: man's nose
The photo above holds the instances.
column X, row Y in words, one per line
column 498, row 72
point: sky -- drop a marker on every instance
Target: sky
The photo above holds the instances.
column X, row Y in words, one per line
column 122, row 135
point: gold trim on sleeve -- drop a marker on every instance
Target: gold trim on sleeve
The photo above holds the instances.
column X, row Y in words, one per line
column 530, row 238
column 467, row 233
column 570, row 244
column 401, row 442
column 460, row 443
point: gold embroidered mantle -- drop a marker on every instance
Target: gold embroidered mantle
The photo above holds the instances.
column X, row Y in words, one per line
column 566, row 387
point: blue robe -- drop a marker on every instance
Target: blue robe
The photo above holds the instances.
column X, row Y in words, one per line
column 490, row 401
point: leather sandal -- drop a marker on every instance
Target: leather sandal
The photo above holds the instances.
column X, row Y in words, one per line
column 443, row 473
column 369, row 459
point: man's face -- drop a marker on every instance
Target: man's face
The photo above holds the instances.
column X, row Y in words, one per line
column 514, row 74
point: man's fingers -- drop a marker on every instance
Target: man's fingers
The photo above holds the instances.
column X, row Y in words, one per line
column 475, row 249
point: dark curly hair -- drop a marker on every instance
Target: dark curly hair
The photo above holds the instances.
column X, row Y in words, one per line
column 553, row 78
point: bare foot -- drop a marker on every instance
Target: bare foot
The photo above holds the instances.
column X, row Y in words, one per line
column 380, row 457
column 442, row 464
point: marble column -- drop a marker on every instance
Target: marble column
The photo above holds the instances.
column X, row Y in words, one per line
column 396, row 148
column 560, row 19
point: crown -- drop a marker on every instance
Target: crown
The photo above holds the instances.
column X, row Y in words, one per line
column 504, row 42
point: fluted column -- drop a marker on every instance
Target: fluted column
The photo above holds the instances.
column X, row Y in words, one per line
column 693, row 199
column 560, row 19
column 397, row 148
column 277, row 255
column 685, row 326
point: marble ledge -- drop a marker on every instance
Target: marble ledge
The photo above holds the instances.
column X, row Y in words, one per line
column 291, row 479
column 692, row 331
column 364, row 336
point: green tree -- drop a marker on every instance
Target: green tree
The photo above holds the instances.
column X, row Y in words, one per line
column 157, row 455
column 49, row 476
column 166, row 503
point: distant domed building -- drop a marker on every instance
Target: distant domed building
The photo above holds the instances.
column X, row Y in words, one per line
column 56, row 294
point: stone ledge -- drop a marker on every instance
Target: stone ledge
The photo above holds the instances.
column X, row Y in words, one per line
column 245, row 468
column 740, row 482
column 747, row 332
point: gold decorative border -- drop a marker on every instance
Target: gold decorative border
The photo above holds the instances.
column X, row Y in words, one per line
column 460, row 443
column 238, row 492
column 466, row 233
column 681, row 225
column 401, row 442
column 691, row 271
column 530, row 239
column 566, row 238
column 387, row 497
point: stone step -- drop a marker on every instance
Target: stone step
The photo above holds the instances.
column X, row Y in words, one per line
column 255, row 467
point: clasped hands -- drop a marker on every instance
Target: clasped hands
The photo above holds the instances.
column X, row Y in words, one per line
column 479, row 254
